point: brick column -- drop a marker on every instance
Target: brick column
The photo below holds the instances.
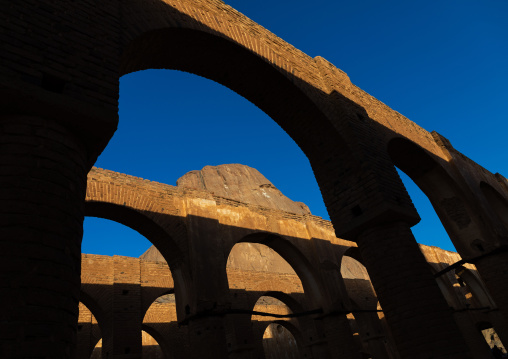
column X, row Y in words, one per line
column 340, row 337
column 42, row 190
column 124, row 337
column 371, row 333
column 421, row 322
column 207, row 338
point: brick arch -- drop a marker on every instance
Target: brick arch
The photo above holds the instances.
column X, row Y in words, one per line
column 159, row 337
column 213, row 56
column 153, row 297
column 114, row 201
column 305, row 271
column 295, row 306
column 450, row 202
column 141, row 223
column 87, row 300
column 295, row 332
column 91, row 301
column 283, row 82
column 352, row 252
column 287, row 299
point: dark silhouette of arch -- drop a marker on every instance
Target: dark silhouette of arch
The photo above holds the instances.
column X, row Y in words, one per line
column 157, row 235
column 440, row 188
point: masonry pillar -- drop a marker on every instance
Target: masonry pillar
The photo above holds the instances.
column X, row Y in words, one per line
column 241, row 340
column 206, row 328
column 207, row 337
column 42, row 189
column 419, row 317
column 338, row 334
column 124, row 339
column 371, row 333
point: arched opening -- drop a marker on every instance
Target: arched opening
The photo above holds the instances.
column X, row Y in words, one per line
column 427, row 184
column 121, row 282
column 356, row 278
column 277, row 89
column 160, row 322
column 280, row 342
column 279, row 337
column 151, row 347
column 140, row 228
column 263, row 280
column 285, row 258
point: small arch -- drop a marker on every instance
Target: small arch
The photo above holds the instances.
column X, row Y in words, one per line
column 161, row 322
column 161, row 343
column 287, row 338
column 156, row 234
column 88, row 333
column 93, row 305
column 295, row 258
column 359, row 288
column 288, row 300
column 139, row 222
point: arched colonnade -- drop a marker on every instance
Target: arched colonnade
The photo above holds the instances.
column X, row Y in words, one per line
column 59, row 113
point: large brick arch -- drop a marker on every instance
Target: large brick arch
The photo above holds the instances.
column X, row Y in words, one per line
column 283, row 82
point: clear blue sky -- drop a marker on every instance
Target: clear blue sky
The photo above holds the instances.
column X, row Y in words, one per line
column 442, row 64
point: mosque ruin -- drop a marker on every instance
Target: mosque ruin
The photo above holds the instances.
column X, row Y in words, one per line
column 60, row 67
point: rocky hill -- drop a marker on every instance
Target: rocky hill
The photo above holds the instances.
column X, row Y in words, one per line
column 241, row 183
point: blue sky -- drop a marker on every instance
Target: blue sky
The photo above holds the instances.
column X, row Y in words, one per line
column 442, row 64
